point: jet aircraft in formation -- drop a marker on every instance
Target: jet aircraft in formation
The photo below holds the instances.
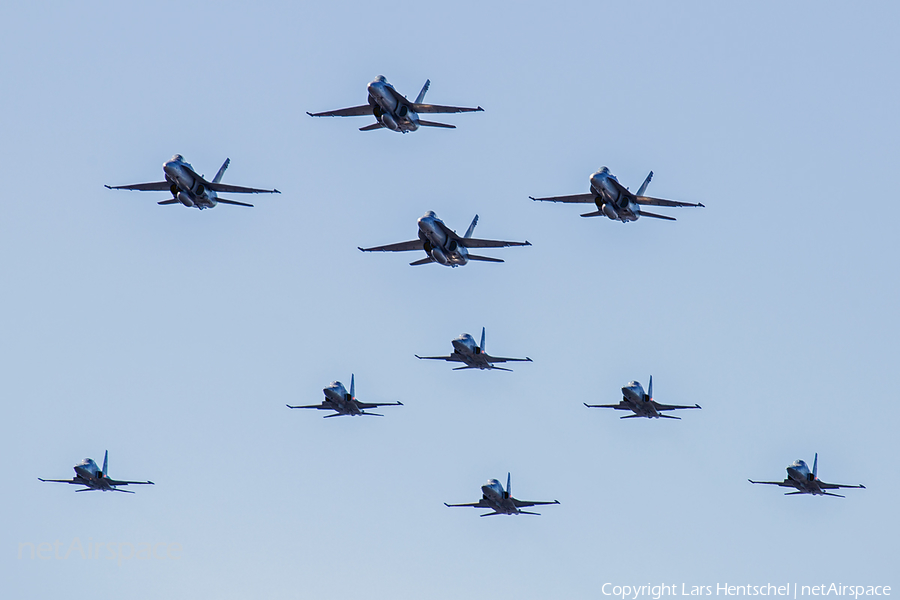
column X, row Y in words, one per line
column 443, row 245
column 615, row 200
column 640, row 403
column 500, row 501
column 805, row 482
column 393, row 111
column 88, row 474
column 345, row 403
column 191, row 189
column 474, row 357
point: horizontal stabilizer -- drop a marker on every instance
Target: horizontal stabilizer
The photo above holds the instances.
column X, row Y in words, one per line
column 172, row 201
column 421, row 261
column 372, row 127
column 596, row 213
column 235, row 202
column 646, row 214
column 484, row 258
column 433, row 124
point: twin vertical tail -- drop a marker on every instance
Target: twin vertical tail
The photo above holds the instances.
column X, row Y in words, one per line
column 221, row 172
column 105, row 462
column 482, row 338
column 643, row 187
column 471, row 228
column 421, row 95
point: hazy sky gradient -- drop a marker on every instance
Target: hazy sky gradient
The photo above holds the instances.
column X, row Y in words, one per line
column 174, row 338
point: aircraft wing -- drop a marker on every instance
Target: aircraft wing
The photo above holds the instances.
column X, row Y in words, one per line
column 480, row 504
column 157, row 186
column 583, row 198
column 526, row 503
column 834, row 486
column 353, row 111
column 451, row 358
column 616, row 406
column 672, row 406
column 399, row 247
column 434, row 108
column 784, row 483
column 475, row 243
column 319, row 406
column 236, row 189
column 500, row 359
column 63, row 481
column 114, row 482
column 365, row 405
column 646, row 200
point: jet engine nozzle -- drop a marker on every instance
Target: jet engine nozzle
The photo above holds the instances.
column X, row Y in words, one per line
column 185, row 199
column 609, row 210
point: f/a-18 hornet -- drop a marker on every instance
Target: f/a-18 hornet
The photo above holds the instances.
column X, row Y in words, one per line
column 805, row 482
column 393, row 111
column 88, row 474
column 640, row 403
column 615, row 200
column 191, row 189
column 501, row 502
column 345, row 404
column 443, row 245
column 474, row 357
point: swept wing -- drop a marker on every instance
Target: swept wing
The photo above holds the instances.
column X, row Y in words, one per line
column 672, row 406
column 476, row 243
column 353, row 111
column 157, row 186
column 480, row 504
column 399, row 247
column 451, row 358
column 646, row 200
column 583, row 198
column 500, row 359
column 236, row 189
column 834, row 486
column 435, row 108
column 526, row 503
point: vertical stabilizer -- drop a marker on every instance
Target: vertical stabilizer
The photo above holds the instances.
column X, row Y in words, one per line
column 643, row 187
column 421, row 95
column 352, row 387
column 471, row 228
column 105, row 462
column 650, row 388
column 815, row 465
column 508, row 485
column 482, row 340
column 221, row 172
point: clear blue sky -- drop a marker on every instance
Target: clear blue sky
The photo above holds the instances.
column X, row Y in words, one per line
column 174, row 338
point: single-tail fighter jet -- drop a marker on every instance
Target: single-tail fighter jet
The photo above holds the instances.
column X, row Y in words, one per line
column 88, row 474
column 474, row 357
column 191, row 189
column 338, row 399
column 642, row 404
column 615, row 200
column 805, row 482
column 393, row 111
column 501, row 502
column 443, row 245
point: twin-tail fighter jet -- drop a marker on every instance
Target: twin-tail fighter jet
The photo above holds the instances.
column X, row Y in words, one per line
column 443, row 245
column 393, row 111
column 88, row 474
column 640, row 403
column 501, row 502
column 191, row 189
column 475, row 357
column 345, row 404
column 615, row 200
column 805, row 482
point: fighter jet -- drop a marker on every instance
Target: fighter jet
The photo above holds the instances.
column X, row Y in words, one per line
column 337, row 399
column 634, row 399
column 394, row 111
column 615, row 200
column 474, row 357
column 443, row 245
column 501, row 502
column 88, row 474
column 191, row 189
column 805, row 482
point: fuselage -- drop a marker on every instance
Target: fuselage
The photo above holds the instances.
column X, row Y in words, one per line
column 638, row 400
column 800, row 475
column 439, row 246
column 468, row 352
column 610, row 199
column 499, row 499
column 186, row 186
column 340, row 399
column 91, row 475
column 388, row 109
